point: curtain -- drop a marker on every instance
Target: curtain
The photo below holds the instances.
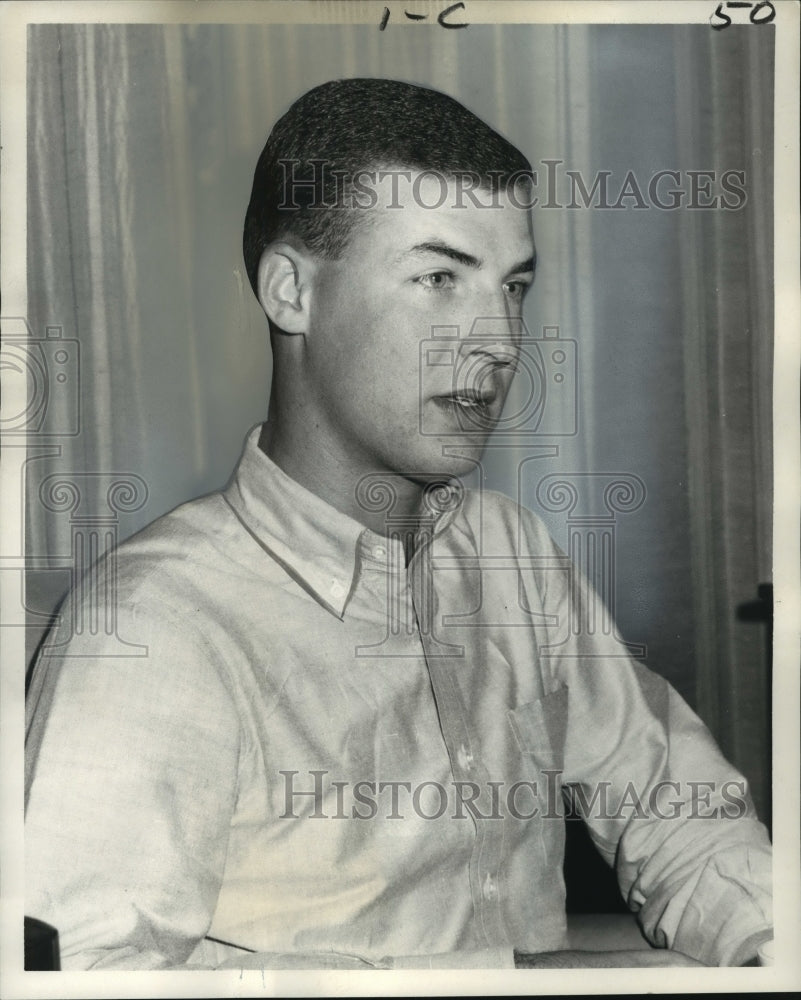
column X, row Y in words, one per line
column 728, row 348
column 142, row 142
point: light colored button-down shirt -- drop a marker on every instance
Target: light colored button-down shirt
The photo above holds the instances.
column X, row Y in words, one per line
column 258, row 730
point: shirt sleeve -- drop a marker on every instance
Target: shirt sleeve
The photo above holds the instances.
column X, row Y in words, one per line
column 131, row 781
column 662, row 805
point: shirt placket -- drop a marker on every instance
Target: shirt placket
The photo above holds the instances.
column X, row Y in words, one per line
column 443, row 661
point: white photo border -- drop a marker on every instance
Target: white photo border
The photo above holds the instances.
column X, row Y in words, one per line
column 786, row 974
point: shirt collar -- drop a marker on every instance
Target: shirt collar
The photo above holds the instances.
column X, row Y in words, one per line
column 316, row 543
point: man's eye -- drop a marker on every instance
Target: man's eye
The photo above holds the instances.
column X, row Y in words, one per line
column 517, row 289
column 437, row 280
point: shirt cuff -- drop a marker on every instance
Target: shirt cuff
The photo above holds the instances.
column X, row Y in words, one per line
column 485, row 958
column 747, row 951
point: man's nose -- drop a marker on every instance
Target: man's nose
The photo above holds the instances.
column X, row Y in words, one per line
column 497, row 337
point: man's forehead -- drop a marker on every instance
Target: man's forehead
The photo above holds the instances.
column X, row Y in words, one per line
column 413, row 209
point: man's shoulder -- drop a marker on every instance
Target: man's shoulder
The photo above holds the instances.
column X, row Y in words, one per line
column 175, row 554
column 182, row 532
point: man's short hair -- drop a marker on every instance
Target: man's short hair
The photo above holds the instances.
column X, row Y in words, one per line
column 342, row 128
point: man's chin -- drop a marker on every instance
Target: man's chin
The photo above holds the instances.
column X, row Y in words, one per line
column 437, row 461
column 454, row 459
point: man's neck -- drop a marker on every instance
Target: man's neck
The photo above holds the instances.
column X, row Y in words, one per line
column 336, row 482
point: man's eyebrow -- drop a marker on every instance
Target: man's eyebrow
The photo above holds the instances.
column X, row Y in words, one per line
column 524, row 266
column 444, row 250
column 452, row 253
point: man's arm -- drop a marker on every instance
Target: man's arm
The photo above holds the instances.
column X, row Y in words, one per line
column 662, row 804
column 131, row 784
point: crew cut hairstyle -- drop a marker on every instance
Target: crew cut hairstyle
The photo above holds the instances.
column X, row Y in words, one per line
column 345, row 127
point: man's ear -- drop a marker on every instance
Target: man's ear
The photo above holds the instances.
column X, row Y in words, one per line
column 284, row 286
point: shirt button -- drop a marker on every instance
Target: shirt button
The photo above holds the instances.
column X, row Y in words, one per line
column 464, row 758
column 337, row 589
column 379, row 552
column 489, row 890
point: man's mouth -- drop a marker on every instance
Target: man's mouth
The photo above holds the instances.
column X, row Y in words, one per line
column 473, row 405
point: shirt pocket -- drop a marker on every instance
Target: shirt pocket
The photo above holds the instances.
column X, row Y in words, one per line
column 540, row 730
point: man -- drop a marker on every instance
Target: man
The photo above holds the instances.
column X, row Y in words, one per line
column 362, row 697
